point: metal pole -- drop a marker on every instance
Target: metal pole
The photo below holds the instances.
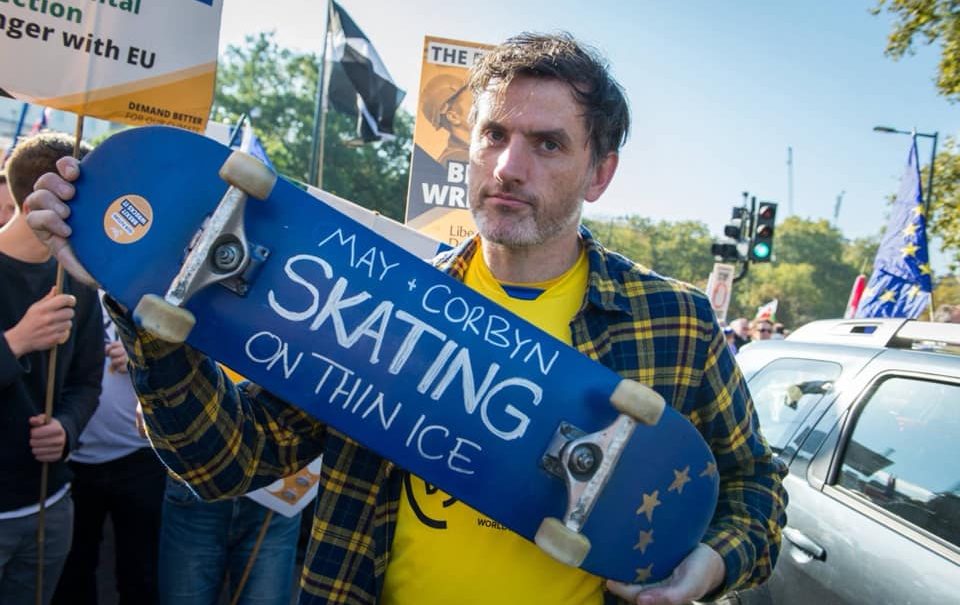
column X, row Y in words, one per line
column 929, row 197
column 320, row 111
column 928, row 207
column 790, row 181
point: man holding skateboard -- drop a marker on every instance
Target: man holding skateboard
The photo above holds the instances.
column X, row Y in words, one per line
column 548, row 121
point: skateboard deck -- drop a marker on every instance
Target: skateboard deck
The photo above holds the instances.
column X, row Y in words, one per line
column 373, row 341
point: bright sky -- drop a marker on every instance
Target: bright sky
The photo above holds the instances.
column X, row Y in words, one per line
column 718, row 91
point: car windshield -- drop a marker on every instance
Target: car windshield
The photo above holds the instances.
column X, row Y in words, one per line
column 785, row 391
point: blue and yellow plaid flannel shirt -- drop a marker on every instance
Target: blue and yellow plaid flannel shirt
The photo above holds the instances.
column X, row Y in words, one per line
column 226, row 440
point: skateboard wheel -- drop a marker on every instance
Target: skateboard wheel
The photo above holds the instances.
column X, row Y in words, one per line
column 637, row 401
column 561, row 542
column 248, row 174
column 163, row 320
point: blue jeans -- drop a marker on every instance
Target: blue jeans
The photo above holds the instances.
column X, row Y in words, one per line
column 18, row 552
column 204, row 544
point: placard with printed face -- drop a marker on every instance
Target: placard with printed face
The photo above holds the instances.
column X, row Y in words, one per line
column 437, row 198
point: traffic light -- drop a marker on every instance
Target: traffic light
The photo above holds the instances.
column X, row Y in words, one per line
column 725, row 251
column 736, row 231
column 737, row 225
column 761, row 246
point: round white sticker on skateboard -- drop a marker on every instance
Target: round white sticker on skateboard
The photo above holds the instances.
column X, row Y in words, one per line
column 128, row 219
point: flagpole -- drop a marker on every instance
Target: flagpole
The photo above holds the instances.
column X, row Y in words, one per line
column 13, row 143
column 48, row 409
column 320, row 112
column 933, row 160
column 928, row 204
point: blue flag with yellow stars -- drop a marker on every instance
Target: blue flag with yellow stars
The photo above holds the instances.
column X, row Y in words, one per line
column 902, row 280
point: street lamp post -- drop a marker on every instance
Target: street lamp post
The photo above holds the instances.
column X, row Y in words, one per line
column 928, row 199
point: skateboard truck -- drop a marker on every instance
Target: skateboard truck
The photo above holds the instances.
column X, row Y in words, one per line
column 219, row 252
column 586, row 462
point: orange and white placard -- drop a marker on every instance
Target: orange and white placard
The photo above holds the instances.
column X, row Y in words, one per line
column 128, row 61
column 437, row 196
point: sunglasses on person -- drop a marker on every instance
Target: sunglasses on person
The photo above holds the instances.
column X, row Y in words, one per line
column 764, row 330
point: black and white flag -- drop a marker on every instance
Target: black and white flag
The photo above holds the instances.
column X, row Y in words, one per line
column 360, row 84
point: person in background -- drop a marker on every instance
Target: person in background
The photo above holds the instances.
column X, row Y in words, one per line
column 7, row 206
column 761, row 329
column 34, row 318
column 116, row 473
column 741, row 331
column 731, row 337
column 547, row 124
column 947, row 314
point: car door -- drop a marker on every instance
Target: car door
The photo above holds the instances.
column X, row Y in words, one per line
column 876, row 518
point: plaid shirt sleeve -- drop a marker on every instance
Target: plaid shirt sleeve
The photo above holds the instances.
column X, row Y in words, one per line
column 663, row 333
column 223, row 439
column 746, row 528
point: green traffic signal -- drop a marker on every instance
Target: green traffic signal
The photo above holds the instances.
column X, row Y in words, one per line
column 761, row 251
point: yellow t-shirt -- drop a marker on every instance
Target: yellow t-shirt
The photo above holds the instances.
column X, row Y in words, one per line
column 446, row 552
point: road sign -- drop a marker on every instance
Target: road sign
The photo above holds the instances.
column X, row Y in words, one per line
column 720, row 288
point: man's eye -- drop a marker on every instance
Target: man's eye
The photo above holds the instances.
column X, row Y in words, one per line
column 549, row 145
column 495, row 135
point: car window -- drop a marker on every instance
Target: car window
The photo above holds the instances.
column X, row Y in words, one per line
column 903, row 453
column 784, row 391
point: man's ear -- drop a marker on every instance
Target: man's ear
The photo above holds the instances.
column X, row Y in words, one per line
column 601, row 175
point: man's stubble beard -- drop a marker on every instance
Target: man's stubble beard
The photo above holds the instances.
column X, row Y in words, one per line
column 521, row 229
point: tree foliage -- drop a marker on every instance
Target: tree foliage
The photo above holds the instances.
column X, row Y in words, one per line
column 930, row 20
column 814, row 270
column 677, row 249
column 811, row 277
column 944, row 219
column 277, row 88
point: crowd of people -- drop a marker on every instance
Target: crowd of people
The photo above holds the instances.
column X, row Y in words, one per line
column 741, row 331
column 547, row 127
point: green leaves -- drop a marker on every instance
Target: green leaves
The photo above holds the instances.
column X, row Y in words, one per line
column 932, row 20
column 277, row 88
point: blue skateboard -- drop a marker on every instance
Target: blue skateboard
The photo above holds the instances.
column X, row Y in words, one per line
column 211, row 248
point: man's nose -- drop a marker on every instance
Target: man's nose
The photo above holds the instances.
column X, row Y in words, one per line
column 513, row 162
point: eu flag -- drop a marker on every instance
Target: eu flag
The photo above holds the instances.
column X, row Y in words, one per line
column 902, row 280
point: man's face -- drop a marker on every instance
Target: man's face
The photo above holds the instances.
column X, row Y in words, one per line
column 530, row 164
column 8, row 208
column 762, row 330
column 458, row 115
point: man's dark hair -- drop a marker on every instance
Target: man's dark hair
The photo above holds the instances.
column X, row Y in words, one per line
column 35, row 156
column 561, row 57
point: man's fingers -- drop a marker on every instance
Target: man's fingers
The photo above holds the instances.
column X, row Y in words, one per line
column 48, row 225
column 68, row 167
column 48, row 454
column 55, row 184
column 64, row 303
column 38, row 420
column 659, row 593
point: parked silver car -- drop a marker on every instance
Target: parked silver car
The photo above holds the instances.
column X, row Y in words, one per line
column 866, row 413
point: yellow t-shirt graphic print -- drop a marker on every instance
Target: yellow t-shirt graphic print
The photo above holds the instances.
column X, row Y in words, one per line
column 445, row 552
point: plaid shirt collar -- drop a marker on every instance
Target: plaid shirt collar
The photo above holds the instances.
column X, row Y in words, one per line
column 603, row 291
